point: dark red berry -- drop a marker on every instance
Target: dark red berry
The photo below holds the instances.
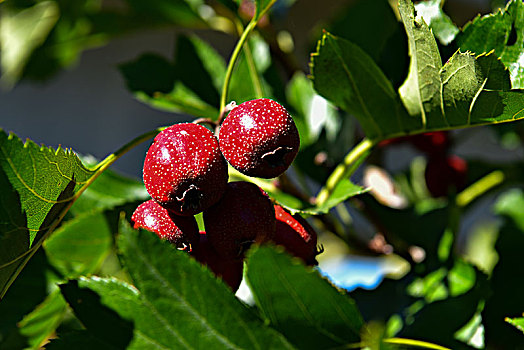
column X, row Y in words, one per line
column 259, row 138
column 230, row 271
column 243, row 216
column 182, row 231
column 431, row 143
column 296, row 235
column 445, row 174
column 184, row 169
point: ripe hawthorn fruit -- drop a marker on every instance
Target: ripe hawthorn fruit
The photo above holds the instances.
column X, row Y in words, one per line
column 229, row 270
column 432, row 143
column 244, row 215
column 259, row 138
column 184, row 169
column 296, row 235
column 182, row 231
column 444, row 174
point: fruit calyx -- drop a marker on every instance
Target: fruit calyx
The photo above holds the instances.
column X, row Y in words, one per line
column 276, row 158
column 190, row 199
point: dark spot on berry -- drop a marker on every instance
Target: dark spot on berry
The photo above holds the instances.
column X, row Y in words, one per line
column 276, row 158
column 190, row 199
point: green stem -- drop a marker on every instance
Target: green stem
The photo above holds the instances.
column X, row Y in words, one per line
column 345, row 169
column 110, row 159
column 232, row 61
column 480, row 187
column 251, row 64
column 414, row 343
column 236, row 52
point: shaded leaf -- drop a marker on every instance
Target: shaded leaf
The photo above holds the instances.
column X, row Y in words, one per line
column 344, row 74
column 301, row 304
column 178, row 12
column 78, row 340
column 44, row 319
column 194, row 308
column 441, row 25
column 507, row 289
column 79, row 246
column 28, row 291
column 38, row 185
column 108, row 191
column 502, row 32
column 21, row 31
column 189, row 85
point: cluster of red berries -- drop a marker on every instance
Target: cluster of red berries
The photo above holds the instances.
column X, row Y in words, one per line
column 185, row 172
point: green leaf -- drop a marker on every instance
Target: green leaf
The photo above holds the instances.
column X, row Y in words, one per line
column 80, row 245
column 344, row 74
column 313, row 113
column 108, row 191
column 178, row 12
column 466, row 91
column 247, row 82
column 343, row 190
column 196, row 309
column 502, row 32
column 420, row 92
column 21, row 31
column 441, row 25
column 44, row 319
column 28, row 291
column 297, row 301
column 38, row 185
column 518, row 322
column 189, row 85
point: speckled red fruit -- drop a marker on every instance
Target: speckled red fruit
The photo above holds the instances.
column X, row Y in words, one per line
column 445, row 174
column 296, row 235
column 182, row 231
column 259, row 138
column 243, row 216
column 230, row 271
column 184, row 169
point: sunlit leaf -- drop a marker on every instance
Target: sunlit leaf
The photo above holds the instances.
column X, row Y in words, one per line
column 441, row 25
column 195, row 309
column 38, row 185
column 468, row 90
column 502, row 32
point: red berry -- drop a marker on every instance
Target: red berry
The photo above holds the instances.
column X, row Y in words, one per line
column 259, row 138
column 244, row 215
column 444, row 174
column 184, row 170
column 296, row 235
column 432, row 143
column 182, row 231
column 230, row 271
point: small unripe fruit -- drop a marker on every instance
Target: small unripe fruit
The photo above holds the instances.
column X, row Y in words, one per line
column 230, row 271
column 259, row 138
column 184, row 169
column 182, row 231
column 243, row 216
column 444, row 174
column 296, row 235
